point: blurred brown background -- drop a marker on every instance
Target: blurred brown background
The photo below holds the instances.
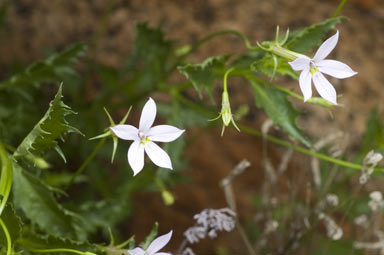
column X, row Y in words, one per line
column 34, row 27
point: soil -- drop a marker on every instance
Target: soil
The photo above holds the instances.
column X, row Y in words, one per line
column 34, row 27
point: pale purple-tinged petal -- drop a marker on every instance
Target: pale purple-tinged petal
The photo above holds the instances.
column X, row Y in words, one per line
column 159, row 243
column 164, row 133
column 326, row 47
column 148, row 115
column 125, row 132
column 305, row 84
column 136, row 157
column 300, row 64
column 162, row 253
column 158, row 156
column 335, row 68
column 137, row 251
column 324, row 87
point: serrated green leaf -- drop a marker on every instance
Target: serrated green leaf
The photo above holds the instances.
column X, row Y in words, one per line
column 278, row 108
column 35, row 242
column 39, row 206
column 203, row 75
column 48, row 130
column 56, row 67
column 147, row 66
column 307, row 38
column 13, row 223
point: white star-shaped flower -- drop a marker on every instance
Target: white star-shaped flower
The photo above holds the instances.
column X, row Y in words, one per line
column 154, row 247
column 144, row 138
column 313, row 69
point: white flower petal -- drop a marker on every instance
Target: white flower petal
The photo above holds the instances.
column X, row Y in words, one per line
column 148, row 115
column 159, row 243
column 326, row 47
column 137, row 251
column 158, row 156
column 335, row 68
column 136, row 157
column 162, row 253
column 324, row 87
column 164, row 133
column 125, row 132
column 305, row 84
column 300, row 64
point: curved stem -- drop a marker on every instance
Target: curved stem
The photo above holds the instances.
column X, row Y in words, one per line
column 86, row 162
column 6, row 177
column 223, row 32
column 7, row 236
column 58, row 250
column 225, row 77
column 278, row 141
column 321, row 156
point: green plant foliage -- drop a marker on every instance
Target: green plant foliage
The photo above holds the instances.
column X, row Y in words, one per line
column 50, row 128
column 35, row 242
column 147, row 66
column 373, row 138
column 55, row 67
column 39, row 206
column 151, row 236
column 271, row 64
column 279, row 109
column 13, row 223
column 203, row 75
column 309, row 37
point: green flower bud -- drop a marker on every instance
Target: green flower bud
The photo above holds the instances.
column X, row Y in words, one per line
column 168, row 197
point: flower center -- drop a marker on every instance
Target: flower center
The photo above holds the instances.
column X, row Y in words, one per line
column 143, row 139
column 313, row 68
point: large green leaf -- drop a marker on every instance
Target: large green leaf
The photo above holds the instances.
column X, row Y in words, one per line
column 13, row 224
column 39, row 206
column 55, row 67
column 278, row 108
column 203, row 75
column 50, row 128
column 147, row 66
column 307, row 38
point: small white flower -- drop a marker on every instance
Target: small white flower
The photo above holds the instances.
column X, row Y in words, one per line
column 313, row 69
column 144, row 138
column 154, row 247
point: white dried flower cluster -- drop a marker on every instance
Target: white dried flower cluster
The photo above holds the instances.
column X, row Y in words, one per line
column 188, row 251
column 332, row 200
column 371, row 160
column 379, row 245
column 362, row 221
column 209, row 222
column 376, row 203
column 333, row 230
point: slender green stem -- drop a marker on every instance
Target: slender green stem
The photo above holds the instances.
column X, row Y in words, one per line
column 7, row 236
column 220, row 33
column 6, row 177
column 339, row 8
column 59, row 250
column 278, row 141
column 225, row 78
column 324, row 157
column 86, row 162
